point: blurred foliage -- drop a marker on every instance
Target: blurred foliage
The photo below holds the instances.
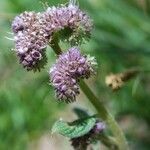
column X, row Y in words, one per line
column 120, row 40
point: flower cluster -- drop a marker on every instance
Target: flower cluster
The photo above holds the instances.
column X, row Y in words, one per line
column 67, row 17
column 34, row 31
column 30, row 44
column 69, row 68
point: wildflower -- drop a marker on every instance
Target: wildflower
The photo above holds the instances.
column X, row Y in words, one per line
column 69, row 68
column 34, row 31
column 71, row 17
column 30, row 42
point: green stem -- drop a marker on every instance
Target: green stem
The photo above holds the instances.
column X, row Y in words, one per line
column 102, row 112
column 105, row 115
column 55, row 46
column 108, row 141
column 147, row 6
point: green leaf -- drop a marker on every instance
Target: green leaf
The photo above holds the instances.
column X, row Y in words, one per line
column 75, row 129
column 80, row 112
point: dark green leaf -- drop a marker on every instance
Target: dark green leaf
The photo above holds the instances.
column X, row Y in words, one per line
column 80, row 112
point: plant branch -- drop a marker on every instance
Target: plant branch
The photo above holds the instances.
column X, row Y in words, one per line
column 102, row 111
column 55, row 46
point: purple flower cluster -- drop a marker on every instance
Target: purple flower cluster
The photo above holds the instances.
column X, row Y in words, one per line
column 33, row 31
column 58, row 18
column 30, row 42
column 69, row 68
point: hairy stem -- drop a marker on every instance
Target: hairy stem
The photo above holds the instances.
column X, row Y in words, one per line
column 102, row 111
column 106, row 116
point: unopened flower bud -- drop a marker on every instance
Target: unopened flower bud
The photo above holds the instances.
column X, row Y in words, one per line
column 99, row 127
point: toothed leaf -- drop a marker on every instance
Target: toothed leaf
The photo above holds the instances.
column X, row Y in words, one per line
column 75, row 129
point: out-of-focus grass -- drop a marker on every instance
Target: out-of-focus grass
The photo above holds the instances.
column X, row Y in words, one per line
column 120, row 40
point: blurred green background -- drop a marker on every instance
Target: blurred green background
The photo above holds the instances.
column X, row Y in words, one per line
column 120, row 40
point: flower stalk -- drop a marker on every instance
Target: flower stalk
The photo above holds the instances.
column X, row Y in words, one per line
column 55, row 46
column 102, row 111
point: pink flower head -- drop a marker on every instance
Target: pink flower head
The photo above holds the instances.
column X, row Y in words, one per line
column 69, row 68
